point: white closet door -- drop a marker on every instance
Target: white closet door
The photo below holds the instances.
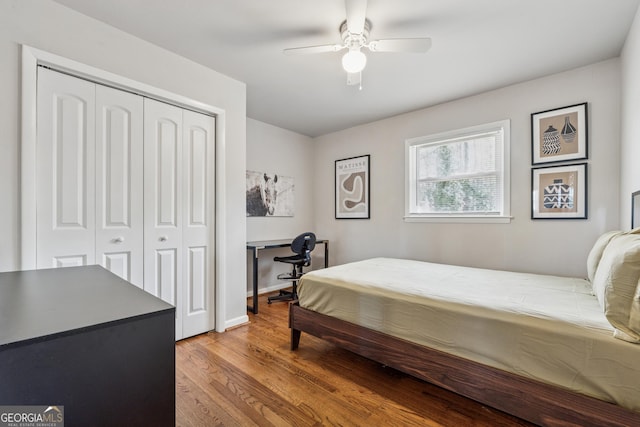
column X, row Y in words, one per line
column 198, row 152
column 65, row 179
column 163, row 203
column 128, row 183
column 119, row 185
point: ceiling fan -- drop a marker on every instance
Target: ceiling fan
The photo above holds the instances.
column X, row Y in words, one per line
column 355, row 36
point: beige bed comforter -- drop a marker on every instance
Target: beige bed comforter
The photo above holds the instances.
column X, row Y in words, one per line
column 544, row 327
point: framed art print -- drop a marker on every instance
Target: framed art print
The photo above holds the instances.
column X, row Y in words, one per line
column 635, row 209
column 269, row 194
column 559, row 135
column 352, row 188
column 559, row 192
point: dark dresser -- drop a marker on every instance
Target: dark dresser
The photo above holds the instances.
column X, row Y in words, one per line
column 83, row 338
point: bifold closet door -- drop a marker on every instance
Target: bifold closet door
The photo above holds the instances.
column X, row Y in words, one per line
column 127, row 182
column 178, row 180
column 89, row 176
column 163, row 203
column 198, row 228
column 65, row 177
column 119, row 214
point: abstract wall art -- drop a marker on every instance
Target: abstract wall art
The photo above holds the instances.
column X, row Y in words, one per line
column 352, row 188
column 559, row 135
column 559, row 192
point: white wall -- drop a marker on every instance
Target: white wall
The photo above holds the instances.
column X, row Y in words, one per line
column 545, row 246
column 275, row 150
column 630, row 142
column 51, row 27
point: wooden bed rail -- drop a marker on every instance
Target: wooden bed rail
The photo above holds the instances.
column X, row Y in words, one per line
column 522, row 397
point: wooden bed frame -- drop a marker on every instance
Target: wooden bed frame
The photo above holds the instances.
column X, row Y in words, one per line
column 522, row 397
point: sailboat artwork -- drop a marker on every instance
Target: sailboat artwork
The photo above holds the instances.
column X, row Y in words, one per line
column 568, row 130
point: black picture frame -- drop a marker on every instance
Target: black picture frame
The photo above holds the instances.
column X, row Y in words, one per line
column 635, row 209
column 560, row 135
column 559, row 192
column 352, row 188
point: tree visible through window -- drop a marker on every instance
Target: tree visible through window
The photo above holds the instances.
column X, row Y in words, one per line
column 459, row 173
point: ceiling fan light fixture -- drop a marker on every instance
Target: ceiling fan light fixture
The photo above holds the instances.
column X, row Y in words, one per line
column 354, row 61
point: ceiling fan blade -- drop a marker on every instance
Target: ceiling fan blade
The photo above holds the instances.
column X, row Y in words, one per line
column 356, row 14
column 418, row 45
column 313, row 49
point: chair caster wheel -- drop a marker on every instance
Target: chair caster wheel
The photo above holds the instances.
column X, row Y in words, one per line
column 269, row 302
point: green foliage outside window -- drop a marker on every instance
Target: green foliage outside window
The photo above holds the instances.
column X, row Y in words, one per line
column 457, row 194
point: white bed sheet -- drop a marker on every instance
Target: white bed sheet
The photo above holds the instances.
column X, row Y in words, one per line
column 544, row 327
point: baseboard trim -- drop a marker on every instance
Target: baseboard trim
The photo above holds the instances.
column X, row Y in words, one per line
column 270, row 288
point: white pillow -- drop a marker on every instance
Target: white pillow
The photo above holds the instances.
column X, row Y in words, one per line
column 615, row 284
column 596, row 252
column 634, row 313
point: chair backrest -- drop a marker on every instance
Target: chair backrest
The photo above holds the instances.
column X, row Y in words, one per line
column 303, row 245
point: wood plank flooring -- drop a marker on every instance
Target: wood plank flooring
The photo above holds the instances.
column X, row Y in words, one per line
column 248, row 377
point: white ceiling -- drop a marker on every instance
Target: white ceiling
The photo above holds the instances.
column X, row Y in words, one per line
column 478, row 45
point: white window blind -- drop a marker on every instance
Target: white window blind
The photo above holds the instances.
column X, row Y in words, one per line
column 459, row 174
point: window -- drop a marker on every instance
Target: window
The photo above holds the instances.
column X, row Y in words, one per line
column 459, row 176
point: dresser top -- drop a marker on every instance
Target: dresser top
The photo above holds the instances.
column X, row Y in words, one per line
column 39, row 304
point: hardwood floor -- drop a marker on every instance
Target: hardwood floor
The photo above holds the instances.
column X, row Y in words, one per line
column 248, row 377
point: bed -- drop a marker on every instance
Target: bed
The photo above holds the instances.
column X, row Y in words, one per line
column 550, row 350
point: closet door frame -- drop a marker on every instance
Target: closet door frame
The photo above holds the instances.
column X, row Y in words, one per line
column 31, row 59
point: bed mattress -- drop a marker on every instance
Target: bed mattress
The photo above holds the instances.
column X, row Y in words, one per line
column 548, row 328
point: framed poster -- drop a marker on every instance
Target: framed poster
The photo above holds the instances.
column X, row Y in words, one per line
column 559, row 135
column 635, row 209
column 559, row 192
column 352, row 188
column 269, row 194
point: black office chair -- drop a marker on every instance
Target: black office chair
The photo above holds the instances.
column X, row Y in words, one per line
column 302, row 247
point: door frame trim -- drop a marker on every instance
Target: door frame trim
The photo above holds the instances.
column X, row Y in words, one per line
column 31, row 59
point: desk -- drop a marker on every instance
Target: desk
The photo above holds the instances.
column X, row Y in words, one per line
column 256, row 247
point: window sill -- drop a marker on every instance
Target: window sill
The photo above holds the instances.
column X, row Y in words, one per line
column 460, row 219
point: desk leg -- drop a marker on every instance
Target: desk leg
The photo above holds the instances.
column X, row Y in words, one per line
column 254, row 308
column 326, row 254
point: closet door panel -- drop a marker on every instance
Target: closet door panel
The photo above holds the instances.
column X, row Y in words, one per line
column 118, row 263
column 65, row 178
column 69, row 261
column 197, row 294
column 119, row 183
column 196, row 155
column 199, row 149
column 163, row 204
column 168, row 162
column 166, row 283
